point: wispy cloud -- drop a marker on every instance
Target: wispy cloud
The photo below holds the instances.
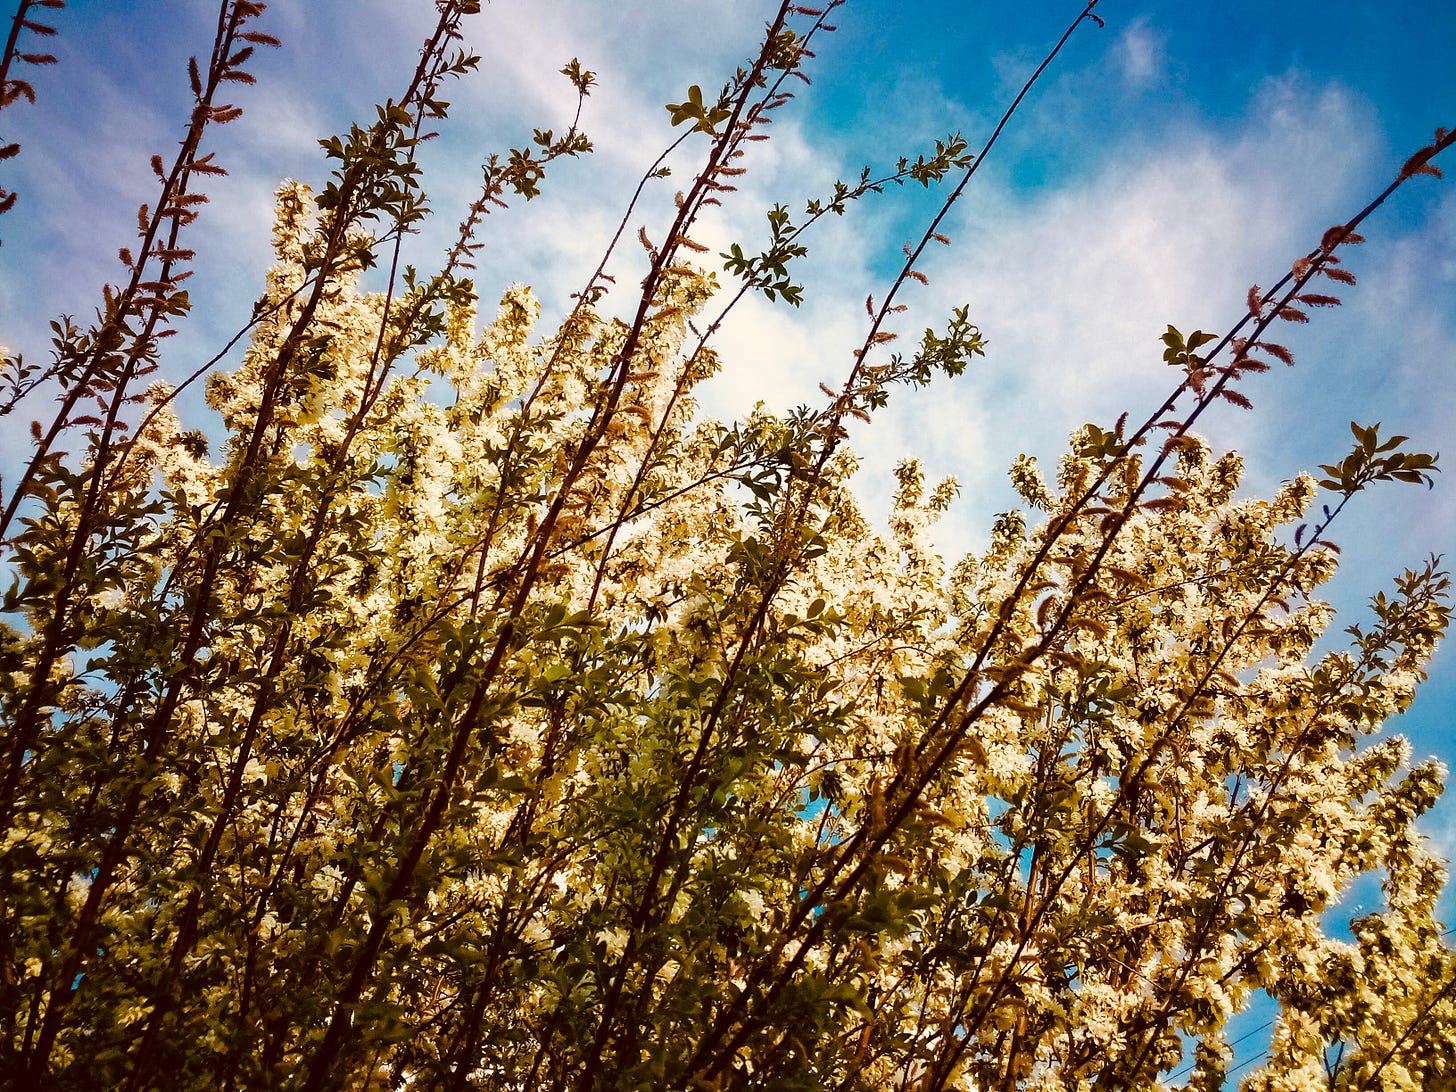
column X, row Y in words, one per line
column 1139, row 54
column 1074, row 285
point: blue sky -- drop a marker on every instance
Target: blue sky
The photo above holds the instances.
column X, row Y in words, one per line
column 1169, row 161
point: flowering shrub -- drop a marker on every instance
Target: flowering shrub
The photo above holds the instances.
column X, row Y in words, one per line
column 472, row 713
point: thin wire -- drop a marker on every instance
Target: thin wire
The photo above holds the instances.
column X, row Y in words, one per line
column 1187, row 1069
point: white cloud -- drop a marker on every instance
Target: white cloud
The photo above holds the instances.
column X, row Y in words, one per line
column 1139, row 54
column 1073, row 286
